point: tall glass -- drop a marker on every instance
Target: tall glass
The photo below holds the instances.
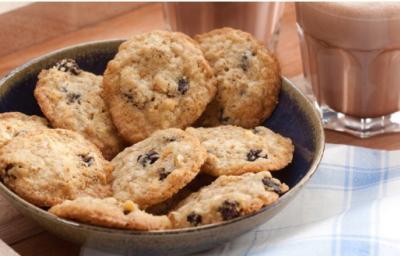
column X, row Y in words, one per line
column 351, row 58
column 259, row 19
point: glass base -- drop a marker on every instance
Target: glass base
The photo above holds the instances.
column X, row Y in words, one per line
column 360, row 127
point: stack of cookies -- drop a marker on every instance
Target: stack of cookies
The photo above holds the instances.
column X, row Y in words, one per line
column 168, row 137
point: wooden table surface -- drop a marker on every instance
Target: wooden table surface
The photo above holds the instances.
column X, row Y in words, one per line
column 43, row 27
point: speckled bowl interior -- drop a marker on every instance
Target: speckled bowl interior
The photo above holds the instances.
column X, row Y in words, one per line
column 295, row 117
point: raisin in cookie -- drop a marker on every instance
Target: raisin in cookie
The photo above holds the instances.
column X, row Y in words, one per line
column 233, row 150
column 109, row 212
column 248, row 78
column 71, row 99
column 46, row 167
column 226, row 198
column 154, row 169
column 15, row 123
column 157, row 80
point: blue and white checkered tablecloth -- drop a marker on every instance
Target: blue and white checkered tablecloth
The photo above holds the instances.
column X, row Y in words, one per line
column 351, row 206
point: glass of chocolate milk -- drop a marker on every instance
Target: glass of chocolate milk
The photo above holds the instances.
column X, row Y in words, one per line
column 351, row 59
column 259, row 19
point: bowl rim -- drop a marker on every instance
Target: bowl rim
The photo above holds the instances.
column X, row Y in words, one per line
column 319, row 150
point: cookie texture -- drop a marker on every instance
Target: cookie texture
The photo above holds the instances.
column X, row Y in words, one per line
column 228, row 197
column 71, row 99
column 248, row 78
column 49, row 166
column 154, row 169
column 157, row 80
column 234, row 150
column 108, row 212
column 16, row 123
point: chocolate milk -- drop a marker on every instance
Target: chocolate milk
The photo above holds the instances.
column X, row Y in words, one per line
column 259, row 19
column 351, row 55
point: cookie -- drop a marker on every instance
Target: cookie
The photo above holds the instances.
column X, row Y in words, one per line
column 154, row 169
column 71, row 99
column 157, row 80
column 46, row 167
column 16, row 123
column 108, row 212
column 228, row 197
column 248, row 78
column 233, row 150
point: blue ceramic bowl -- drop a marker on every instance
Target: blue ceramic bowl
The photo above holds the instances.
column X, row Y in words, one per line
column 295, row 117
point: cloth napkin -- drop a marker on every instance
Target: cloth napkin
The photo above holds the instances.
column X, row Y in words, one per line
column 351, row 206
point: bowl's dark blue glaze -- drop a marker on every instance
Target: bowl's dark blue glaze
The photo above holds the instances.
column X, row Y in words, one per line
column 295, row 117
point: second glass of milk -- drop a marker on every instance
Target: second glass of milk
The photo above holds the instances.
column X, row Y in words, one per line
column 351, row 59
